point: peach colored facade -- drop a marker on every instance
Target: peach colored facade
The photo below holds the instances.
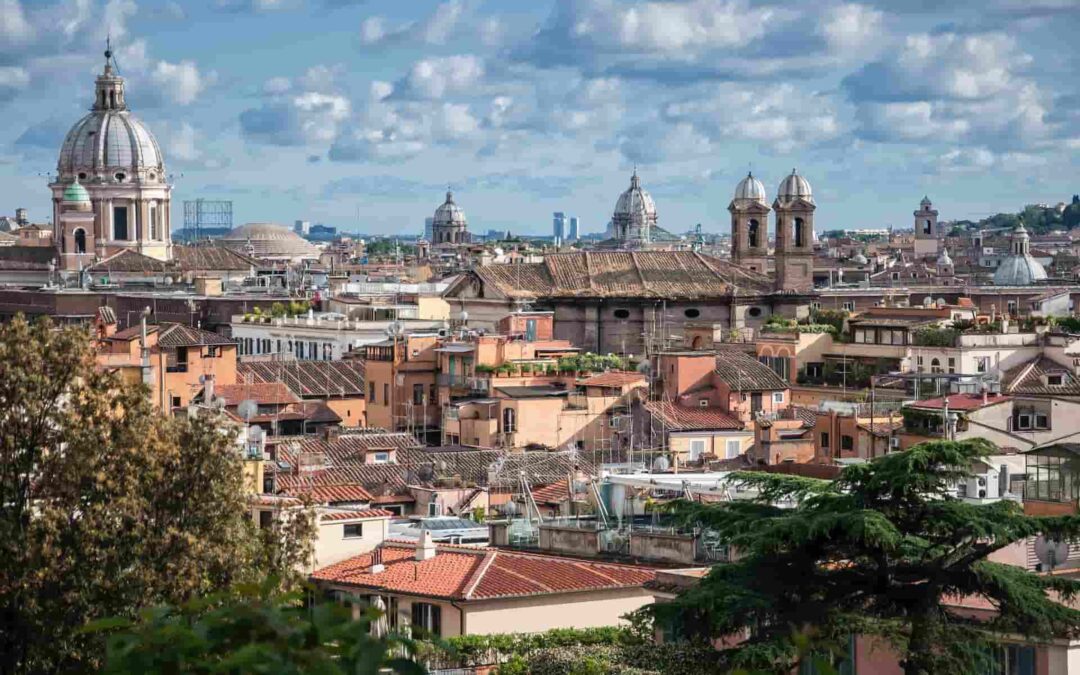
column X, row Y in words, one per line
column 400, row 380
column 172, row 385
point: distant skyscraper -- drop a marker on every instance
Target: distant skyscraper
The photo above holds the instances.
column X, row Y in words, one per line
column 429, row 228
column 302, row 227
column 573, row 234
column 558, row 228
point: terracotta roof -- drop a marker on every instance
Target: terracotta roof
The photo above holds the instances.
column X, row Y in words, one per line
column 962, row 401
column 613, row 379
column 179, row 335
column 743, row 372
column 270, row 393
column 882, row 429
column 1030, row 378
column 677, row 417
column 621, row 274
column 309, row 379
column 329, row 494
column 353, row 446
column 129, row 260
column 553, row 493
column 356, row 515
column 458, row 573
column 212, row 259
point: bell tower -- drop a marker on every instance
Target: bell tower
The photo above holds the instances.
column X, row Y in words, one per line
column 750, row 225
column 794, row 208
column 927, row 232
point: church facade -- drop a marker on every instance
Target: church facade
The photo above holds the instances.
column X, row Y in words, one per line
column 111, row 192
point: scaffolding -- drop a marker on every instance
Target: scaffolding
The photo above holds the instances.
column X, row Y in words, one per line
column 206, row 213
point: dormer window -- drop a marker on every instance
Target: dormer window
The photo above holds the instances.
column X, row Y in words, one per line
column 1055, row 379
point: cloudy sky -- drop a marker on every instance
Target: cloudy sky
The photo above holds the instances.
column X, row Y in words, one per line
column 362, row 111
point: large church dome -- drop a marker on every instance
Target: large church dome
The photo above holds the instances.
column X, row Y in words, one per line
column 449, row 213
column 635, row 205
column 270, row 241
column 1020, row 268
column 110, row 144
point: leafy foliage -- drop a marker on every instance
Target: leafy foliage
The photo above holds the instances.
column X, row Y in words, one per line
column 881, row 551
column 254, row 631
column 107, row 506
column 934, row 337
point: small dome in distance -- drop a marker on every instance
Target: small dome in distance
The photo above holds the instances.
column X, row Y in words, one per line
column 76, row 197
column 860, row 259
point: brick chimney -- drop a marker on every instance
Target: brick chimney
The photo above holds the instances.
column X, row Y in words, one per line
column 425, row 546
column 376, row 561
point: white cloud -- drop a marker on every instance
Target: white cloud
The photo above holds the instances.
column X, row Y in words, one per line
column 850, row 27
column 13, row 80
column 455, row 121
column 665, row 27
column 277, row 85
column 182, row 143
column 441, row 24
column 436, row 77
column 436, row 29
column 380, row 90
column 910, row 121
column 14, row 28
column 181, row 82
column 308, row 112
column 372, row 30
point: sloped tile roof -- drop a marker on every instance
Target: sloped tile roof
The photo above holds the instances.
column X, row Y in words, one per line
column 743, row 372
column 613, row 379
column 372, row 479
column 623, row 274
column 351, row 446
column 27, row 258
column 212, row 259
column 458, row 573
column 362, row 514
column 269, row 393
column 179, row 335
column 677, row 417
column 130, row 260
column 326, row 494
column 553, row 493
column 962, row 402
column 1029, row 378
column 309, row 379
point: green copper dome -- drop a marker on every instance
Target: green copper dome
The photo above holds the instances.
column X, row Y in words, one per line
column 76, row 193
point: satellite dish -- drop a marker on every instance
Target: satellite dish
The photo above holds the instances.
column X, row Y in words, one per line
column 218, row 403
column 247, row 409
column 255, row 433
column 661, row 464
column 580, row 486
column 395, row 328
column 510, row 508
column 1051, row 553
column 644, row 367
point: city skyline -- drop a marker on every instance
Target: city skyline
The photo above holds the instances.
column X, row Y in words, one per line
column 359, row 115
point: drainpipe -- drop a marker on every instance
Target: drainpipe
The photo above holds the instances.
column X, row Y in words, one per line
column 461, row 616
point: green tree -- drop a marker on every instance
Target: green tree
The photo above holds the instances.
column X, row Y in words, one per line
column 107, row 506
column 255, row 631
column 880, row 552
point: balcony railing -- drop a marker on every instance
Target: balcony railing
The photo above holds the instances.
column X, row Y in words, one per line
column 177, row 368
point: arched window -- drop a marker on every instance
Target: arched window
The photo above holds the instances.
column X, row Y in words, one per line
column 935, row 365
column 509, row 420
column 80, row 240
column 112, row 99
column 800, row 232
column 754, row 233
column 928, row 227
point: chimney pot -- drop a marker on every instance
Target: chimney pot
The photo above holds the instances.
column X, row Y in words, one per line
column 425, row 546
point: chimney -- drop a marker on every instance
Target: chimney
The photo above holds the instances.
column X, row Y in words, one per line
column 425, row 546
column 376, row 561
column 208, row 390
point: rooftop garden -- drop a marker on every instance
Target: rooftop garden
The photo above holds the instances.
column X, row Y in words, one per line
column 820, row 321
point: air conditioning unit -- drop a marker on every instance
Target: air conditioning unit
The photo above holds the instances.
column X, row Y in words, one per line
column 894, row 442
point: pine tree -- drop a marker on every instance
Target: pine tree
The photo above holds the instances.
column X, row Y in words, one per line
column 882, row 552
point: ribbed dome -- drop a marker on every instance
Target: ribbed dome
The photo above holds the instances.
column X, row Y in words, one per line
column 1019, row 270
column 750, row 188
column 449, row 213
column 859, row 259
column 636, row 204
column 794, row 187
column 269, row 240
column 110, row 143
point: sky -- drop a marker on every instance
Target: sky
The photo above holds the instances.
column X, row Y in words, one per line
column 360, row 113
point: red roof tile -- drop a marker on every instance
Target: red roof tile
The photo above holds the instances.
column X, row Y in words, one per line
column 266, row 393
column 356, row 515
column 462, row 574
column 613, row 379
column 676, row 417
column 329, row 494
column 555, row 493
